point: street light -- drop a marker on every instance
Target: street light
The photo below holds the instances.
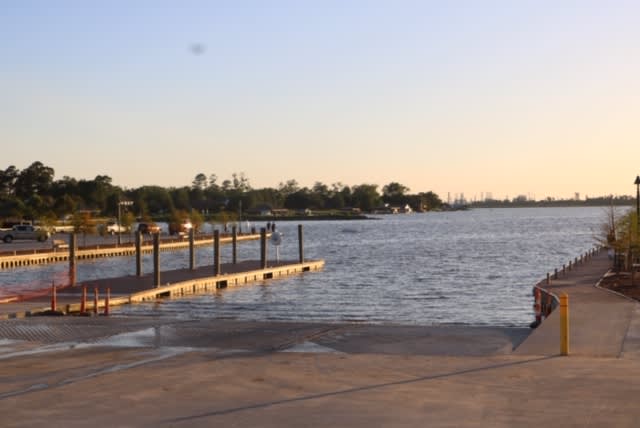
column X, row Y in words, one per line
column 120, row 204
column 637, row 183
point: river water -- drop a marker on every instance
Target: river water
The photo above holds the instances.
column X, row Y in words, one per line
column 472, row 267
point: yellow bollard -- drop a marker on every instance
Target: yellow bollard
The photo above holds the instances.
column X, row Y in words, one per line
column 564, row 324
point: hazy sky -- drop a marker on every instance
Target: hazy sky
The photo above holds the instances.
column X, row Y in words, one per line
column 508, row 97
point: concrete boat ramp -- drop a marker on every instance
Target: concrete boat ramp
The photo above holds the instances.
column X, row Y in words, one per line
column 145, row 371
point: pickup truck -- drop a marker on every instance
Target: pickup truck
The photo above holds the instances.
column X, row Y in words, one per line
column 24, row 231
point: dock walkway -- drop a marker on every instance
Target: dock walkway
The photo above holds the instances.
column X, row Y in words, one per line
column 133, row 289
column 601, row 323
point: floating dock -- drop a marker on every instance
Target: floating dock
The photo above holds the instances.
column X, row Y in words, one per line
column 137, row 289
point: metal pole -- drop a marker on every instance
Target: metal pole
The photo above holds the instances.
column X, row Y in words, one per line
column 119, row 220
column 638, row 202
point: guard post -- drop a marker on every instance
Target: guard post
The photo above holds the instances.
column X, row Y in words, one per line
column 564, row 324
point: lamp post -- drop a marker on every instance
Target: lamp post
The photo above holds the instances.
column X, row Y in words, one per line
column 633, row 267
column 120, row 204
column 637, row 183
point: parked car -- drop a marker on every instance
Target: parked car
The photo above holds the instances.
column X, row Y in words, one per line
column 113, row 227
column 24, row 231
column 147, row 228
column 180, row 228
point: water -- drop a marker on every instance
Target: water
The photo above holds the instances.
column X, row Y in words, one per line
column 471, row 267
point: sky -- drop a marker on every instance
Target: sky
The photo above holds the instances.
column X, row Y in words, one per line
column 507, row 98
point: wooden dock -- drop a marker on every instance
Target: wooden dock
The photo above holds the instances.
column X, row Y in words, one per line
column 55, row 254
column 134, row 289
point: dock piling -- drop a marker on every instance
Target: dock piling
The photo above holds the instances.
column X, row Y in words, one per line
column 53, row 297
column 300, row 244
column 263, row 248
column 192, row 253
column 138, row 253
column 216, row 252
column 234, row 245
column 72, row 259
column 83, row 300
column 106, row 302
column 156, row 259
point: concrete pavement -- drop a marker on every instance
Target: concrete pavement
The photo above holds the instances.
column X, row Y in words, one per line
column 75, row 371
column 599, row 320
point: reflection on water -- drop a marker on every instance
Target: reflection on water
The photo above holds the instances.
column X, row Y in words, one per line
column 471, row 267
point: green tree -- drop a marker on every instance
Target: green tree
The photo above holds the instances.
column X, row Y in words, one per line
column 35, row 180
column 199, row 182
column 180, row 198
column 366, row 196
column 394, row 194
column 8, row 179
column 287, row 188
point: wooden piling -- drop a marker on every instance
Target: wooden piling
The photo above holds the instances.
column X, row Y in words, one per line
column 72, row 258
column 192, row 253
column 300, row 244
column 216, row 252
column 53, row 297
column 138, row 253
column 106, row 302
column 83, row 300
column 156, row 259
column 234, row 245
column 263, row 248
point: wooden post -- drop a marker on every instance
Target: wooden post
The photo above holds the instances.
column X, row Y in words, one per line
column 192, row 253
column 548, row 278
column 106, row 302
column 564, row 324
column 95, row 300
column 300, row 244
column 156, row 259
column 263, row 248
column 53, row 297
column 216, row 252
column 72, row 259
column 83, row 300
column 138, row 253
column 234, row 246
column 555, row 273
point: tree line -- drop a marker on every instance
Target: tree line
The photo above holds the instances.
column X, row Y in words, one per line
column 34, row 194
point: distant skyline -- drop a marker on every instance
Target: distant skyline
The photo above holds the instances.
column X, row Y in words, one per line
column 537, row 98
